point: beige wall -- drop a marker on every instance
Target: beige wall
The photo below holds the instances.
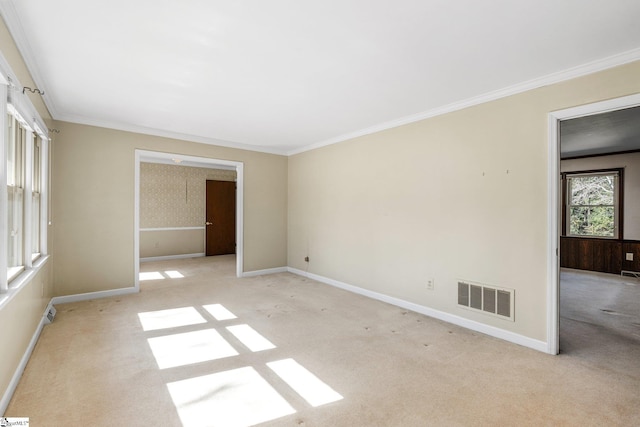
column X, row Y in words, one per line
column 93, row 185
column 631, row 165
column 459, row 196
column 19, row 320
column 20, row 317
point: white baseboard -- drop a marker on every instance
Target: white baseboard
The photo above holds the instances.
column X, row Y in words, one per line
column 440, row 315
column 168, row 257
column 264, row 272
column 8, row 394
column 93, row 295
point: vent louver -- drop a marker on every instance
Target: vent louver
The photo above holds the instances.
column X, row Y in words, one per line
column 626, row 273
column 51, row 314
column 486, row 299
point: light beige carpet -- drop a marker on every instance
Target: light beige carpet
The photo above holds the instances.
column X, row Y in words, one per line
column 280, row 350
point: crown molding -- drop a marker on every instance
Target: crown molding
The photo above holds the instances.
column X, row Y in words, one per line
column 558, row 77
column 168, row 134
column 10, row 15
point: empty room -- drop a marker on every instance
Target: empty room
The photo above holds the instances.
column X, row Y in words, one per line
column 360, row 213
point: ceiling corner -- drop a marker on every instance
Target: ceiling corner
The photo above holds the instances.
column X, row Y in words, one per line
column 10, row 16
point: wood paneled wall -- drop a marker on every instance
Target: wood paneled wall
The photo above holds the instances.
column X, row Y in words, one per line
column 603, row 255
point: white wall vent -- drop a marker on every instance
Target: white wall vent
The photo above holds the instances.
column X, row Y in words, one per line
column 490, row 300
column 51, row 314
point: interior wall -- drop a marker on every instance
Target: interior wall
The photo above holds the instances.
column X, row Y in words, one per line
column 21, row 315
column 19, row 320
column 458, row 196
column 172, row 204
column 631, row 164
column 93, row 184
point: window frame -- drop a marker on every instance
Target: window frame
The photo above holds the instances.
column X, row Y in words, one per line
column 36, row 194
column 18, row 157
column 14, row 106
column 618, row 202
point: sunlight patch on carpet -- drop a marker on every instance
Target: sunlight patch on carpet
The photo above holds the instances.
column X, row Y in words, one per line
column 173, row 274
column 311, row 388
column 171, row 318
column 250, row 338
column 219, row 312
column 189, row 348
column 151, row 275
column 234, row 398
column 160, row 275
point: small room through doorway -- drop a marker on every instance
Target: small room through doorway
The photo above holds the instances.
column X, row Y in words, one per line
column 599, row 235
column 170, row 207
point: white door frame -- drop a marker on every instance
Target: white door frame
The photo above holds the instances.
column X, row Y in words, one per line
column 206, row 162
column 553, row 250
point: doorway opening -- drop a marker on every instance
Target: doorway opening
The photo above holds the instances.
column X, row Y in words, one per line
column 557, row 214
column 143, row 156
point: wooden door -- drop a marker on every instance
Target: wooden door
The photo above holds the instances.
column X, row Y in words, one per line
column 221, row 218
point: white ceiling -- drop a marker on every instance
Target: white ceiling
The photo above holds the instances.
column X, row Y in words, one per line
column 286, row 75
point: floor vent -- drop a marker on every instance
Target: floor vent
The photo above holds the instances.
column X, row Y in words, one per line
column 635, row 274
column 486, row 299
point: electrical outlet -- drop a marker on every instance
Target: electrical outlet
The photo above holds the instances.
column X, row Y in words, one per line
column 629, row 256
column 430, row 284
column 306, row 259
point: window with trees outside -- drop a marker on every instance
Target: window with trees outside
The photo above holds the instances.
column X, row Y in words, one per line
column 592, row 204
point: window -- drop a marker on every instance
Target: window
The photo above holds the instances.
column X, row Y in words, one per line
column 592, row 204
column 24, row 181
column 36, row 185
column 15, row 195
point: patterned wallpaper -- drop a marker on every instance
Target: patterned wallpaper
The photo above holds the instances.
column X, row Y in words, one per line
column 174, row 196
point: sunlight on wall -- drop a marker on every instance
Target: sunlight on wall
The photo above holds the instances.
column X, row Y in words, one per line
column 307, row 385
column 172, row 318
column 190, row 347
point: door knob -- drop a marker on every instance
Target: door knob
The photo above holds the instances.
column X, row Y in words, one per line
column 208, row 223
